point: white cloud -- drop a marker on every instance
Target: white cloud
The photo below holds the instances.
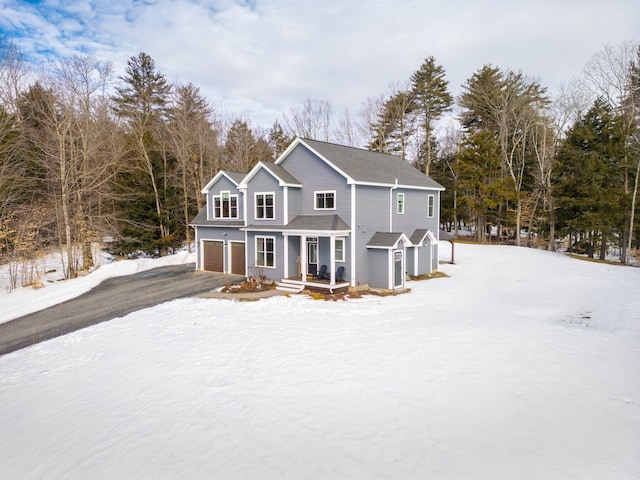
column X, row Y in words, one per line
column 261, row 57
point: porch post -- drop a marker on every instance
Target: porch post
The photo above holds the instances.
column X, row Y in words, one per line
column 332, row 259
column 303, row 256
column 286, row 256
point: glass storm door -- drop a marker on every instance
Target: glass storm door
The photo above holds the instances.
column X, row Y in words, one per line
column 312, row 256
column 397, row 269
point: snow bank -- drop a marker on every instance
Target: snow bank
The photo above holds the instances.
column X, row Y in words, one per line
column 521, row 365
column 22, row 301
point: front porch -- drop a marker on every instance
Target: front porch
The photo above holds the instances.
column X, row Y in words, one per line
column 297, row 284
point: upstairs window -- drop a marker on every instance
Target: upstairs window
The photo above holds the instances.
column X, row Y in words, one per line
column 400, row 203
column 325, row 200
column 431, row 206
column 264, row 206
column 225, row 205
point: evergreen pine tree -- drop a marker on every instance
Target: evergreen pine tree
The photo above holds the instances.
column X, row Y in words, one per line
column 149, row 199
column 589, row 179
column 431, row 98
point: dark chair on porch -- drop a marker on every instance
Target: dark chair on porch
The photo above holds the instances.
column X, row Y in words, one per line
column 322, row 273
column 340, row 274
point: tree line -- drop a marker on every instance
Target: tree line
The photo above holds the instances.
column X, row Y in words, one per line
column 88, row 156
column 520, row 166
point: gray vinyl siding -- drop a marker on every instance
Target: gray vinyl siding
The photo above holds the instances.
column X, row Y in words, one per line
column 295, row 203
column 222, row 234
column 315, row 175
column 424, row 259
column 409, row 257
column 224, row 184
column 272, row 274
column 372, row 215
column 264, row 182
column 379, row 267
column 416, row 211
column 433, row 223
column 294, row 254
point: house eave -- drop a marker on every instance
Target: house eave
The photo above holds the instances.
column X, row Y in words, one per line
column 296, row 232
column 393, row 185
column 244, row 184
column 215, row 179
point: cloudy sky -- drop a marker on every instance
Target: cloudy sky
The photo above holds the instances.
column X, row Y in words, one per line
column 258, row 58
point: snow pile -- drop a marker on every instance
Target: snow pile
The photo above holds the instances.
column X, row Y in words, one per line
column 522, row 364
column 22, row 301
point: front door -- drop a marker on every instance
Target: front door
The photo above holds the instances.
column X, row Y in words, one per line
column 312, row 255
column 398, row 273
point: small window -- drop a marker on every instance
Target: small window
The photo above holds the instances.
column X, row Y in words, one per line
column 264, row 206
column 339, row 249
column 265, row 252
column 400, row 203
column 325, row 200
column 431, row 206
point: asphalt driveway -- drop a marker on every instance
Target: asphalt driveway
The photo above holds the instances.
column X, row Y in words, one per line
column 113, row 298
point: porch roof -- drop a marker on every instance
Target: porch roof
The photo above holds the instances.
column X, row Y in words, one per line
column 318, row 222
column 308, row 224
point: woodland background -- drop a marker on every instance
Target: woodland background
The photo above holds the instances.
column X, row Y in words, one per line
column 91, row 155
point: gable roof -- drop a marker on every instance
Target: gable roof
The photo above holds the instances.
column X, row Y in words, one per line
column 366, row 167
column 285, row 179
column 234, row 177
column 420, row 234
column 388, row 240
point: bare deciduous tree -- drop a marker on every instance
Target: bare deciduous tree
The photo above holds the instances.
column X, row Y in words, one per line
column 311, row 120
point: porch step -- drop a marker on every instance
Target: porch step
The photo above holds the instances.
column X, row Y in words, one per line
column 285, row 286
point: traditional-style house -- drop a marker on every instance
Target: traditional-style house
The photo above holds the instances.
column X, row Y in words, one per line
column 352, row 216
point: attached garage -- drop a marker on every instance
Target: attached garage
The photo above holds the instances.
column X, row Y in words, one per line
column 237, row 258
column 213, row 255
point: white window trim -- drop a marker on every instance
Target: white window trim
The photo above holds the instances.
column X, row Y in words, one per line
column 255, row 205
column 431, row 206
column 340, row 239
column 398, row 196
column 213, row 207
column 256, row 251
column 315, row 199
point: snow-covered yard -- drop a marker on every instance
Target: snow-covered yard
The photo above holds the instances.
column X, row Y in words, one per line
column 523, row 364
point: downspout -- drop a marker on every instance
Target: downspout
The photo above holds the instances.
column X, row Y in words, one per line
column 246, row 234
column 353, row 235
column 391, row 206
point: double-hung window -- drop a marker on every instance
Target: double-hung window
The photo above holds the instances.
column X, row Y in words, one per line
column 325, row 200
column 339, row 249
column 265, row 251
column 225, row 205
column 400, row 204
column 264, row 206
column 431, row 206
